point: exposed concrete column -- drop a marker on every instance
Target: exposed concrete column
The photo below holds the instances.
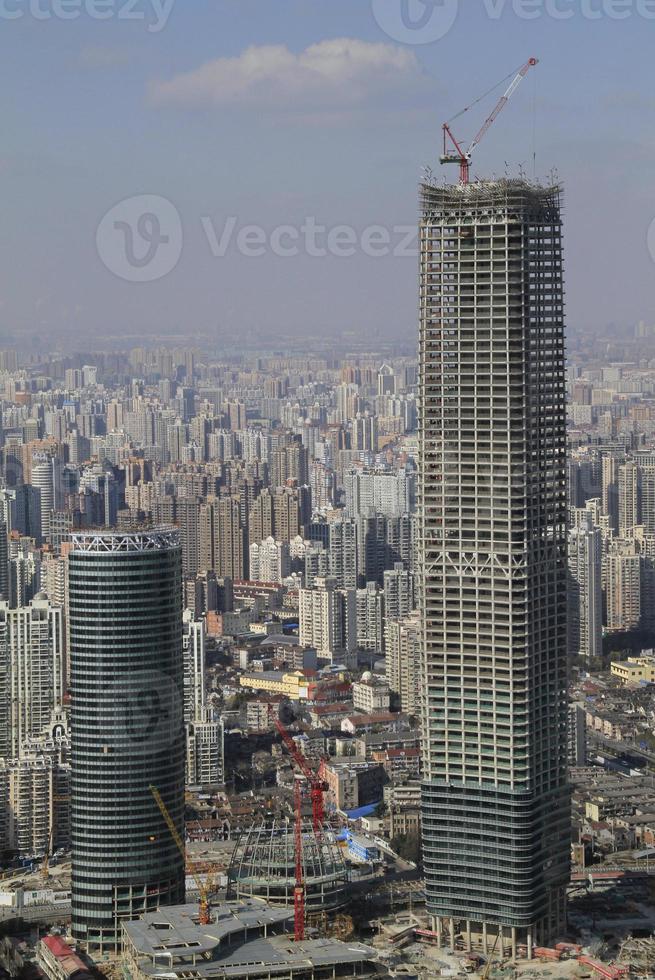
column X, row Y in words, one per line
column 484, row 938
column 452, row 932
column 468, row 935
column 513, row 942
column 529, row 942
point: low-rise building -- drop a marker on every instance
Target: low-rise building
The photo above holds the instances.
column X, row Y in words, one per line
column 262, row 712
column 635, row 670
column 246, row 939
column 330, row 715
column 371, row 694
column 353, row 783
column 609, row 724
column 366, row 723
column 59, row 961
column 399, row 763
column 294, row 685
column 376, row 741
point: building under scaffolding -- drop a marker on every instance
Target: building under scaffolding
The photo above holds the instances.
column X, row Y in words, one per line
column 263, row 866
column 495, row 822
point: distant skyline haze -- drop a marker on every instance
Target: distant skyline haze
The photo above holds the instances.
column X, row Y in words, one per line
column 252, row 121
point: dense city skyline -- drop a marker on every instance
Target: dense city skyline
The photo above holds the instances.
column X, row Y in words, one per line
column 327, row 528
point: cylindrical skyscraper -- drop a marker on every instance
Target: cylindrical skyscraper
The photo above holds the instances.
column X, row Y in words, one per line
column 127, row 729
column 496, row 822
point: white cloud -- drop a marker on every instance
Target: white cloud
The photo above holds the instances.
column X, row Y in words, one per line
column 340, row 73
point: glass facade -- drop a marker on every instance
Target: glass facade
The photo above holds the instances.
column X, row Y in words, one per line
column 127, row 729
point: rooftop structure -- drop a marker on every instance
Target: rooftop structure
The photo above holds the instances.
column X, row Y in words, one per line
column 244, row 939
column 105, row 540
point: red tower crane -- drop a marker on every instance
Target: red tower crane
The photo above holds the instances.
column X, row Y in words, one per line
column 463, row 157
column 299, row 889
column 316, row 781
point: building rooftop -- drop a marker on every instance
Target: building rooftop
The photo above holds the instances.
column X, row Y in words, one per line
column 106, row 540
column 175, row 929
column 170, row 943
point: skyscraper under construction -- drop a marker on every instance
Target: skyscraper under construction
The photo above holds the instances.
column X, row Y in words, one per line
column 493, row 557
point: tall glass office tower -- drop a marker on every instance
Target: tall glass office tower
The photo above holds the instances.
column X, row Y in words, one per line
column 127, row 729
column 493, row 562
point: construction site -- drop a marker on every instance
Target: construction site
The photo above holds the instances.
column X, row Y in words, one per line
column 264, row 866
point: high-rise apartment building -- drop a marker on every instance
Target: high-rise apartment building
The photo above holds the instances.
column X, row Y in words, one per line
column 370, row 617
column 32, row 670
column 398, row 592
column 222, row 537
column 647, row 495
column 290, row 463
column 42, row 479
column 402, row 640
column 34, row 790
column 328, row 621
column 629, row 498
column 193, row 646
column 585, row 623
column 231, row 554
column 495, row 810
column 127, row 688
column 623, row 567
column 364, row 434
column 610, row 489
column 342, row 551
column 269, row 560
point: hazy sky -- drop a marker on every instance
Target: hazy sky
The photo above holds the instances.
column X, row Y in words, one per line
column 295, row 117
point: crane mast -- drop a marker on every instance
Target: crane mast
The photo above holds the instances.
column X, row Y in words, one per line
column 299, row 889
column 204, row 916
column 463, row 157
column 317, row 784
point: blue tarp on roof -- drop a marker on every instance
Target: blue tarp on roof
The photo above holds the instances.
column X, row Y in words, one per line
column 362, row 811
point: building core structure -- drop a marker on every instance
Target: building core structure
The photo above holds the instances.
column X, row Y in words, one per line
column 127, row 729
column 493, row 600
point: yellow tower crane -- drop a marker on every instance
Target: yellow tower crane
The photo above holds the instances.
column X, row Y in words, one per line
column 203, row 906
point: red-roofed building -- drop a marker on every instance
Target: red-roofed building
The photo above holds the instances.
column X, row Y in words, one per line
column 325, row 715
column 59, row 962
